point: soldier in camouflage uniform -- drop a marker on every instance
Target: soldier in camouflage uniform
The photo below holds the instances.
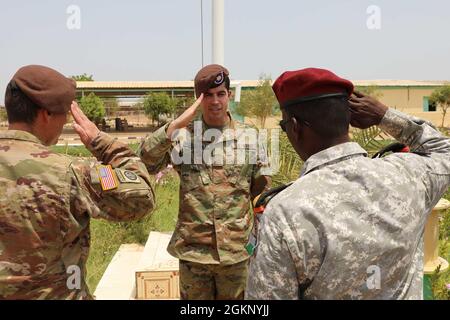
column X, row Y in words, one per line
column 350, row 227
column 47, row 199
column 214, row 219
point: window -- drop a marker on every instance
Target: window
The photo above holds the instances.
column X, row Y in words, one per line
column 431, row 106
column 428, row 106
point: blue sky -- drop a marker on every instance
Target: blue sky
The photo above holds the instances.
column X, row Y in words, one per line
column 160, row 39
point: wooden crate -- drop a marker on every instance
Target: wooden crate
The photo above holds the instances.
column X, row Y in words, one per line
column 157, row 275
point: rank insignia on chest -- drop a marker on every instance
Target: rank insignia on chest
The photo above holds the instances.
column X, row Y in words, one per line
column 108, row 179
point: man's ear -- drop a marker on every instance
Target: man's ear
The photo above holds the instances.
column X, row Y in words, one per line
column 295, row 125
column 46, row 116
column 43, row 116
column 230, row 94
column 296, row 129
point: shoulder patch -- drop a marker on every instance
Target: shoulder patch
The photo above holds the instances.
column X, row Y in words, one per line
column 127, row 176
column 107, row 177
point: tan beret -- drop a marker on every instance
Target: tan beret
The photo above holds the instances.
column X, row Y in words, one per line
column 212, row 75
column 46, row 87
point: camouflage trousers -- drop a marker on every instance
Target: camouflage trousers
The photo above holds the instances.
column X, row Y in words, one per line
column 212, row 281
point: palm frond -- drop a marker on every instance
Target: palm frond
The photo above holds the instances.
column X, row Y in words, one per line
column 371, row 139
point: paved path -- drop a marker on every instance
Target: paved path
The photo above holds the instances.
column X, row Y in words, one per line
column 73, row 139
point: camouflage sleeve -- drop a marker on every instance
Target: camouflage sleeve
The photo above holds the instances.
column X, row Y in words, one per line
column 286, row 260
column 154, row 150
column 133, row 196
column 432, row 151
column 262, row 167
column 261, row 174
column 418, row 134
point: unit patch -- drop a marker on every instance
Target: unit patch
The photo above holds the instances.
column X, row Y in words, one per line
column 127, row 176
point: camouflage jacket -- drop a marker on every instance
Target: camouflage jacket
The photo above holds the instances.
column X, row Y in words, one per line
column 214, row 220
column 46, row 202
column 352, row 227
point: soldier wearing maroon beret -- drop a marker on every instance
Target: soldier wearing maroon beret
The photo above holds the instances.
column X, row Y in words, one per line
column 47, row 199
column 350, row 227
column 214, row 220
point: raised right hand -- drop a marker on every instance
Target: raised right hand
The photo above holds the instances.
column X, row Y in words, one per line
column 85, row 128
column 365, row 111
column 185, row 118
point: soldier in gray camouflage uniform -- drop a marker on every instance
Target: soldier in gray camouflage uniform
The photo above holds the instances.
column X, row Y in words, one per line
column 47, row 199
column 350, row 227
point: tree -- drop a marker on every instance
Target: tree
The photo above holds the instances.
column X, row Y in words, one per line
column 371, row 90
column 260, row 102
column 93, row 107
column 111, row 106
column 181, row 103
column 83, row 77
column 441, row 97
column 3, row 116
column 157, row 104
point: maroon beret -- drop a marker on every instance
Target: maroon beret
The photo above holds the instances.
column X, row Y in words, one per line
column 294, row 87
column 212, row 75
column 46, row 87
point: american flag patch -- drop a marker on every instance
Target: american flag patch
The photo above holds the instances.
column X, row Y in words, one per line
column 107, row 177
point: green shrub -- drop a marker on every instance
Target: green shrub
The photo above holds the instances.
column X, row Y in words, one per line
column 93, row 107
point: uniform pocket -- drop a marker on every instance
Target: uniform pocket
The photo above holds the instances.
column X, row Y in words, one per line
column 239, row 175
column 192, row 177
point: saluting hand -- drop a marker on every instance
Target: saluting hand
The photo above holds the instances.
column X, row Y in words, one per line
column 185, row 118
column 365, row 111
column 85, row 128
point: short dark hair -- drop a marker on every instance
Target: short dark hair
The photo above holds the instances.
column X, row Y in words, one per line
column 19, row 107
column 226, row 80
column 328, row 117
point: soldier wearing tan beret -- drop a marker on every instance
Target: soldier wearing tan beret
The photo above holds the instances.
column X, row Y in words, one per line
column 47, row 199
column 214, row 220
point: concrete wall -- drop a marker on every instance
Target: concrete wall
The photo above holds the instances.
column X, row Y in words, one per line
column 410, row 100
column 405, row 99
